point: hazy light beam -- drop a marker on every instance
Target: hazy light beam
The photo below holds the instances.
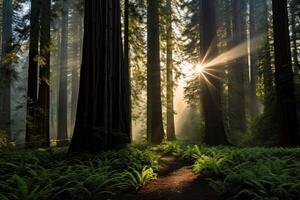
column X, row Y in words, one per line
column 235, row 53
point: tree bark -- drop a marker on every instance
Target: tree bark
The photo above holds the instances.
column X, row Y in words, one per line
column 77, row 29
column 1, row 26
column 210, row 84
column 32, row 91
column 237, row 113
column 155, row 124
column 267, row 68
column 170, row 82
column 5, row 69
column 228, row 25
column 102, row 121
column 287, row 118
column 126, row 55
column 253, row 104
column 294, row 39
column 44, row 73
column 62, row 119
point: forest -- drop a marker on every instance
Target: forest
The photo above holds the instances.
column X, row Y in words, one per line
column 149, row 99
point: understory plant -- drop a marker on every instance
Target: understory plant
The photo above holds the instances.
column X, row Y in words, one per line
column 245, row 173
column 51, row 174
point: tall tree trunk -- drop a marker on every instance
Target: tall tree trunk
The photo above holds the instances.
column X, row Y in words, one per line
column 155, row 124
column 126, row 33
column 102, row 122
column 210, row 84
column 1, row 26
column 170, row 82
column 253, row 104
column 5, row 69
column 126, row 55
column 284, row 76
column 228, row 25
column 294, row 39
column 267, row 69
column 44, row 73
column 62, row 119
column 237, row 115
column 32, row 91
column 55, row 76
column 77, row 29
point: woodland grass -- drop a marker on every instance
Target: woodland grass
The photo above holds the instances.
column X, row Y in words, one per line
column 244, row 173
column 50, row 174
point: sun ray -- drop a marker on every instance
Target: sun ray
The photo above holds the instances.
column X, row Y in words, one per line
column 212, row 68
column 235, row 53
column 213, row 75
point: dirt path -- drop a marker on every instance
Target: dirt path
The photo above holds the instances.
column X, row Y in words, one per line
column 175, row 181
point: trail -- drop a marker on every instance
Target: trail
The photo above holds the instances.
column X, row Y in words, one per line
column 176, row 181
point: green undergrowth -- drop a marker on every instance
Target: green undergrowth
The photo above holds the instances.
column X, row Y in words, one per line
column 244, row 173
column 51, row 174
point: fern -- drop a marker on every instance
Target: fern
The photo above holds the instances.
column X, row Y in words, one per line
column 137, row 179
column 49, row 174
column 245, row 173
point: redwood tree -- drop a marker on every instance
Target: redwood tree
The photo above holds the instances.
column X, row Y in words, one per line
column 102, row 120
column 62, row 119
column 38, row 99
column 294, row 12
column 268, row 77
column 44, row 73
column 253, row 101
column 170, row 82
column 32, row 92
column 287, row 115
column 154, row 109
column 126, row 55
column 210, row 83
column 5, row 68
column 76, row 29
column 236, row 90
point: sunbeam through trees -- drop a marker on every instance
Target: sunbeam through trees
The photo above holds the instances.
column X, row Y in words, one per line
column 149, row 99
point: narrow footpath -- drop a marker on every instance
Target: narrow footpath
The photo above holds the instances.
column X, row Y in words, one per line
column 176, row 181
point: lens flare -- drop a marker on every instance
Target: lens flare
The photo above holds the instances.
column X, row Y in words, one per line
column 206, row 69
column 199, row 68
column 210, row 68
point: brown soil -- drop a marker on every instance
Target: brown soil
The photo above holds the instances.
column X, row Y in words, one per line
column 175, row 181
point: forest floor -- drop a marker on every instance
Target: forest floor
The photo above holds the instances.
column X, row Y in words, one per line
column 170, row 171
column 176, row 180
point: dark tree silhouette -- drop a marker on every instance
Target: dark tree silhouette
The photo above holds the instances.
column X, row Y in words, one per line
column 287, row 116
column 237, row 115
column 154, row 110
column 294, row 13
column 211, row 85
column 38, row 94
column 32, row 94
column 126, row 54
column 5, row 68
column 44, row 73
column 102, row 121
